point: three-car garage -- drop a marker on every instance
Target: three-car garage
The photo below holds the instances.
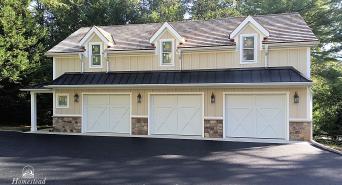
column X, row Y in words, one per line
column 245, row 115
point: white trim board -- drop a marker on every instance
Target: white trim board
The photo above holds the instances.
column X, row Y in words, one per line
column 186, row 85
column 249, row 19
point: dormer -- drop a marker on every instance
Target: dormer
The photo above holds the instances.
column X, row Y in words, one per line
column 248, row 37
column 166, row 40
column 95, row 41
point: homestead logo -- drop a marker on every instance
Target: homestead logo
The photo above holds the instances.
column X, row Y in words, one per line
column 27, row 177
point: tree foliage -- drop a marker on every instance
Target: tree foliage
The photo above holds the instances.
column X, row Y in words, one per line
column 28, row 28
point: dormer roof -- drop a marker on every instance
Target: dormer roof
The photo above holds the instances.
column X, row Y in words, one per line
column 167, row 26
column 102, row 34
column 249, row 20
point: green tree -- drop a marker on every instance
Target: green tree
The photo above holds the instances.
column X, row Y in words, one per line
column 161, row 10
column 327, row 109
column 20, row 36
column 213, row 9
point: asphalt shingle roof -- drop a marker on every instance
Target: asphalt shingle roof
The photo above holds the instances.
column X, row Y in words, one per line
column 283, row 28
column 238, row 75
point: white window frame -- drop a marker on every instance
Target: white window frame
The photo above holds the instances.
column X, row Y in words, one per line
column 172, row 52
column 90, row 54
column 242, row 61
column 57, row 102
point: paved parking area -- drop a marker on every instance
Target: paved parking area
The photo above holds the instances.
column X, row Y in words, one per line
column 119, row 160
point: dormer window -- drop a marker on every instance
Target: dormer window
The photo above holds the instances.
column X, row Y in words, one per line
column 248, row 51
column 166, row 52
column 95, row 55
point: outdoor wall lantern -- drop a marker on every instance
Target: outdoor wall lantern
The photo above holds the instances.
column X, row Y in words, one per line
column 296, row 98
column 139, row 98
column 76, row 97
column 212, row 98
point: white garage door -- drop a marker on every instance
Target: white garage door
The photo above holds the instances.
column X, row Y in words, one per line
column 256, row 116
column 176, row 115
column 107, row 113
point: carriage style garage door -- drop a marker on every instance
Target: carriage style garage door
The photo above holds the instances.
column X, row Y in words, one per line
column 176, row 115
column 106, row 113
column 256, row 116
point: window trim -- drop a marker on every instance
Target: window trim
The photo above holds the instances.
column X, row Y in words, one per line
column 161, row 52
column 57, row 102
column 255, row 49
column 90, row 54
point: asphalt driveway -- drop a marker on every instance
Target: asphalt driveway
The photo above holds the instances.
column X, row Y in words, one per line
column 116, row 160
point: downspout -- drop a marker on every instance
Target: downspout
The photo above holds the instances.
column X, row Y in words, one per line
column 266, row 55
column 180, row 59
column 105, row 54
column 81, row 55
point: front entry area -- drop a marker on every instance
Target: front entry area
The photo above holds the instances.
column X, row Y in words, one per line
column 106, row 113
column 178, row 114
column 256, row 116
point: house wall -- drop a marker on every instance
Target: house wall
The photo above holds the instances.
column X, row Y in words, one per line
column 188, row 60
column 297, row 111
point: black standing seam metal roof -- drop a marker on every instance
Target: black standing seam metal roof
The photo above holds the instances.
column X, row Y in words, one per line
column 239, row 75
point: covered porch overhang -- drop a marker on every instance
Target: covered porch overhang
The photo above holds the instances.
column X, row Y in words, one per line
column 33, row 92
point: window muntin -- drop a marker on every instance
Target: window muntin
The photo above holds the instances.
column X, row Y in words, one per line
column 166, row 52
column 248, row 49
column 95, row 55
column 62, row 101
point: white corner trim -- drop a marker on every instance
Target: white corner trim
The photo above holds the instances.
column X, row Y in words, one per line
column 308, row 63
column 255, row 49
column 98, row 33
column 299, row 120
column 57, row 103
column 213, row 118
column 161, row 51
column 249, row 19
column 169, row 28
column 90, row 54
column 139, row 116
column 67, row 115
column 53, row 68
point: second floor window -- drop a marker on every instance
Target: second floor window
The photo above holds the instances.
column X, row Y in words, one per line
column 166, row 52
column 95, row 55
column 248, row 49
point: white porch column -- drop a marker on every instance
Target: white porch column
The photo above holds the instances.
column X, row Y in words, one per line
column 33, row 111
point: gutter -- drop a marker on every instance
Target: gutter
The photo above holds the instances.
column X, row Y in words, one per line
column 185, row 85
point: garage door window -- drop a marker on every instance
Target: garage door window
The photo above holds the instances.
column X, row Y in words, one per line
column 62, row 100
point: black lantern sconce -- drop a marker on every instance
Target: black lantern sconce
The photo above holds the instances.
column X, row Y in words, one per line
column 296, row 98
column 212, row 98
column 139, row 98
column 76, row 98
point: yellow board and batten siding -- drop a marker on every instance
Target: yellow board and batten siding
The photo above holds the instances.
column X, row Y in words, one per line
column 296, row 110
column 187, row 60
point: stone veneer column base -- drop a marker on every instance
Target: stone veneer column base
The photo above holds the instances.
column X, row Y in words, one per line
column 139, row 126
column 67, row 124
column 213, row 128
column 300, row 131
